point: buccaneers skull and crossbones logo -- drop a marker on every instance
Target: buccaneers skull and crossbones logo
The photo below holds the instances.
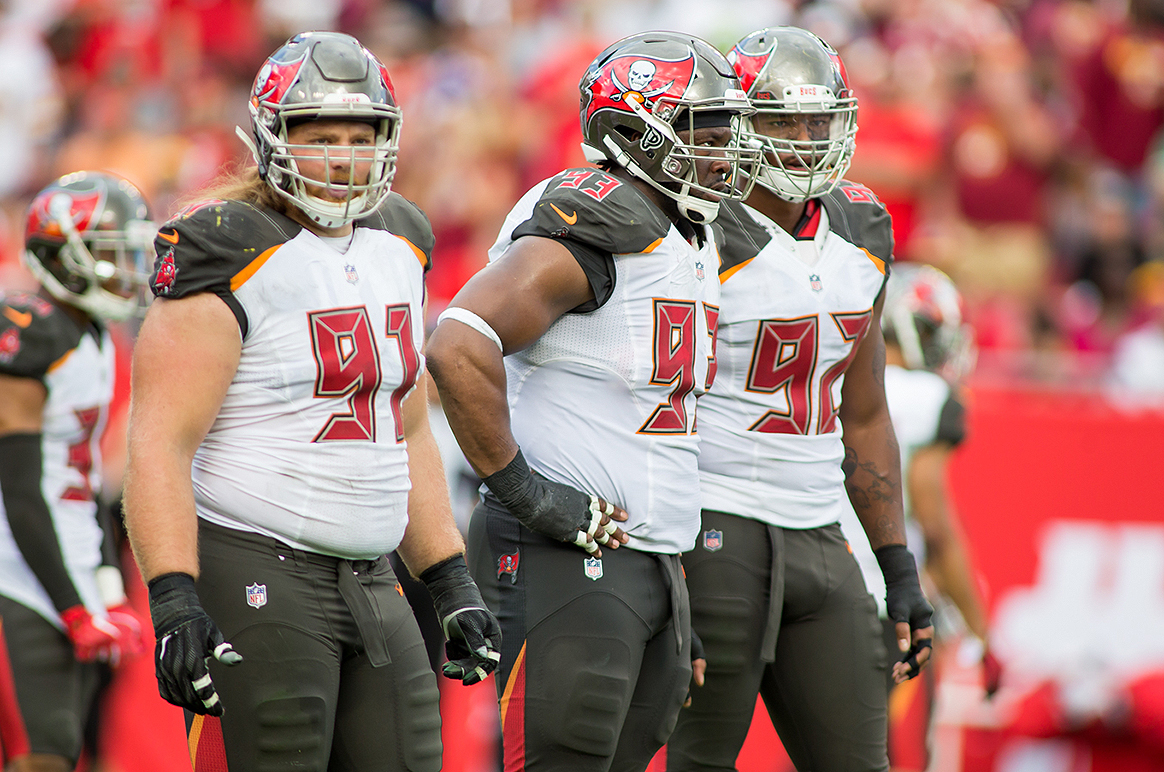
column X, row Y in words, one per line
column 644, row 80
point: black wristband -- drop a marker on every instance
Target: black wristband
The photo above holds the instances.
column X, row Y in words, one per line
column 451, row 568
column 896, row 562
column 510, row 484
column 175, row 580
column 172, row 596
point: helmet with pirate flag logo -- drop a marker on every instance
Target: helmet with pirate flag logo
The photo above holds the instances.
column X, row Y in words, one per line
column 88, row 240
column 641, row 91
column 806, row 115
column 324, row 76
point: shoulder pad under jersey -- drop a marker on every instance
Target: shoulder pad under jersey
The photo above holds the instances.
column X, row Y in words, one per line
column 858, row 215
column 596, row 209
column 205, row 247
column 34, row 335
column 743, row 236
column 402, row 218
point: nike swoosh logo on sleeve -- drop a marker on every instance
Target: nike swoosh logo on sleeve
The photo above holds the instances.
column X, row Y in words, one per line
column 570, row 219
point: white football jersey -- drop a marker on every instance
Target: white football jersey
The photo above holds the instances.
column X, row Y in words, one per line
column 308, row 446
column 77, row 370
column 605, row 400
column 794, row 310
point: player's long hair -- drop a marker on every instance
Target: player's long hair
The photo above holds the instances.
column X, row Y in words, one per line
column 240, row 182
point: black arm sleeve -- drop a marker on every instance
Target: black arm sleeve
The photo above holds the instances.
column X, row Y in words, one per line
column 29, row 517
column 600, row 272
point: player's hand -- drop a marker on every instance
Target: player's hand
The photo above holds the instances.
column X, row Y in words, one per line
column 556, row 510
column 698, row 665
column 94, row 638
column 907, row 606
column 472, row 633
column 131, row 632
column 186, row 638
column 973, row 651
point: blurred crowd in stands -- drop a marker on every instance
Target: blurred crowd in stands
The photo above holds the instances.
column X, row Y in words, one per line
column 1017, row 143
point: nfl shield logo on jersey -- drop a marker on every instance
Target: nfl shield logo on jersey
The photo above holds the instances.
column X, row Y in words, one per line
column 256, row 595
column 814, row 282
column 712, row 540
column 594, row 568
column 350, row 273
column 699, row 271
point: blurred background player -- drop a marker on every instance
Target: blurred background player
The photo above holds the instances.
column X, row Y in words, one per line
column 582, row 347
column 928, row 352
column 776, row 596
column 279, row 447
column 62, row 602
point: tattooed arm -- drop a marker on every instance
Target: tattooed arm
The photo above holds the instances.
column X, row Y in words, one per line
column 872, row 464
column 872, row 469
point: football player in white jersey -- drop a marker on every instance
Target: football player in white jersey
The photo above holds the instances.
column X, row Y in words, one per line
column 279, row 447
column 569, row 369
column 62, row 599
column 928, row 350
column 795, row 432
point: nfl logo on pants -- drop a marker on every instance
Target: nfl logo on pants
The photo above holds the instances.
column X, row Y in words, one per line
column 594, row 568
column 256, row 595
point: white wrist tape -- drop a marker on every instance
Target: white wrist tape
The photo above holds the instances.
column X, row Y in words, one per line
column 110, row 586
column 470, row 319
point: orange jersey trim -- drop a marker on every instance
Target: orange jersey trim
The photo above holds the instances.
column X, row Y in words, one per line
column 732, row 271
column 418, row 252
column 61, row 361
column 877, row 261
column 253, row 266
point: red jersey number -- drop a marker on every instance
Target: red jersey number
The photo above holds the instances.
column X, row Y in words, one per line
column 400, row 329
column 347, row 366
column 81, row 455
column 784, row 358
column 674, row 365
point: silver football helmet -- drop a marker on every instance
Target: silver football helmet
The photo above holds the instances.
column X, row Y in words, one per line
column 88, row 240
column 923, row 315
column 806, row 115
column 315, row 76
column 641, row 91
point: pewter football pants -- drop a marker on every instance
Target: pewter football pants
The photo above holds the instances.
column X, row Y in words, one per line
column 334, row 673
column 785, row 614
column 595, row 662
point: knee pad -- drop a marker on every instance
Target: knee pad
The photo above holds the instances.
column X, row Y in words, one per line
column 421, row 733
column 290, row 734
column 583, row 691
column 724, row 625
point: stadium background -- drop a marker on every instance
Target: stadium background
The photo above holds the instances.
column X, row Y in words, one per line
column 1018, row 145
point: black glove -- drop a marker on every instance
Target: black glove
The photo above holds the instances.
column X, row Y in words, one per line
column 472, row 634
column 549, row 508
column 904, row 599
column 186, row 637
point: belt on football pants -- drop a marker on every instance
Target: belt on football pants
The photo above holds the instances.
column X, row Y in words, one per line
column 354, row 579
column 775, row 594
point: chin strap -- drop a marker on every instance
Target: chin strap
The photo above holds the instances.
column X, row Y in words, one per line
column 695, row 209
